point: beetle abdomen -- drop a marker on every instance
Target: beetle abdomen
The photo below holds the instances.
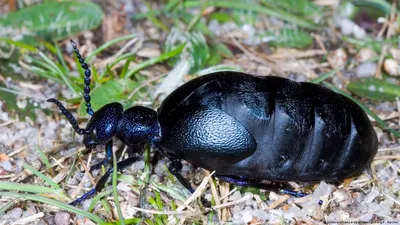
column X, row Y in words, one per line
column 303, row 131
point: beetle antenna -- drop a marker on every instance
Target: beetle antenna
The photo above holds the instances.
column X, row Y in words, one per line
column 71, row 119
column 86, row 89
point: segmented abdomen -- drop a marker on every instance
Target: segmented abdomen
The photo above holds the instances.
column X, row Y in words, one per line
column 304, row 132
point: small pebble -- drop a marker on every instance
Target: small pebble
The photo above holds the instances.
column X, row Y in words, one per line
column 6, row 165
column 15, row 213
column 391, row 67
column 371, row 196
column 247, row 216
column 337, row 58
column 365, row 55
column 367, row 69
column 122, row 186
column 62, row 218
column 342, row 197
column 235, row 196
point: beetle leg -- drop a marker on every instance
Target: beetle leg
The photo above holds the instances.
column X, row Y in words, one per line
column 282, row 187
column 263, row 184
column 100, row 184
column 175, row 168
column 108, row 158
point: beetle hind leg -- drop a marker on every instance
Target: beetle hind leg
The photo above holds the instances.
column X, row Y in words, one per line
column 175, row 168
column 263, row 184
column 282, row 187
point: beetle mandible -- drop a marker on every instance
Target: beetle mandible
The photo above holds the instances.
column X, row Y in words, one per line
column 244, row 127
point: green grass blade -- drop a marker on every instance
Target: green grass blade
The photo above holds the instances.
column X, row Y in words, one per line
column 7, row 206
column 383, row 6
column 375, row 89
column 12, row 186
column 19, row 44
column 52, row 202
column 115, row 191
column 97, row 198
column 325, row 76
column 63, row 76
column 126, row 221
column 108, row 44
column 378, row 120
column 162, row 57
column 44, row 158
column 256, row 8
column 151, row 17
column 46, row 179
column 60, row 56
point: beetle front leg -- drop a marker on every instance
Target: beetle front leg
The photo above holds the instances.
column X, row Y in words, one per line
column 100, row 184
column 107, row 160
column 175, row 168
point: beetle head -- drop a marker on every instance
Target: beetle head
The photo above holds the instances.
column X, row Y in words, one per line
column 138, row 125
column 102, row 127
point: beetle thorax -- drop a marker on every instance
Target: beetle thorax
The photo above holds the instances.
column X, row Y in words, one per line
column 138, row 125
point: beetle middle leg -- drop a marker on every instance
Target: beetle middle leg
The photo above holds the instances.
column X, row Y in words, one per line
column 175, row 168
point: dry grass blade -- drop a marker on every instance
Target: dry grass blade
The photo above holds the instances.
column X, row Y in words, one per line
column 196, row 194
column 246, row 197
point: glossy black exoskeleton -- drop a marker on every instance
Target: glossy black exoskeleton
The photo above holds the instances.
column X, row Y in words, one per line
column 245, row 128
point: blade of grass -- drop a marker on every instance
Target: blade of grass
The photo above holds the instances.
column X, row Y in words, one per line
column 60, row 57
column 114, row 188
column 45, row 160
column 378, row 120
column 162, row 57
column 145, row 176
column 97, row 198
column 108, row 44
column 173, row 193
column 63, row 76
column 129, row 56
column 52, row 202
column 8, row 205
column 19, row 44
column 127, row 221
column 325, row 76
column 256, row 8
column 12, row 186
column 46, row 179
column 125, row 68
column 151, row 17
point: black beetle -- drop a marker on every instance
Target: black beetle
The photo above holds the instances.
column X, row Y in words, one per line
column 246, row 128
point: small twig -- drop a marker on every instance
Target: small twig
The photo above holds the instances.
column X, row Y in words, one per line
column 389, row 149
column 279, row 201
column 29, row 219
column 195, row 194
column 319, row 41
column 148, row 82
column 149, row 211
column 230, row 193
column 397, row 202
column 17, row 151
column 387, row 157
column 246, row 197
